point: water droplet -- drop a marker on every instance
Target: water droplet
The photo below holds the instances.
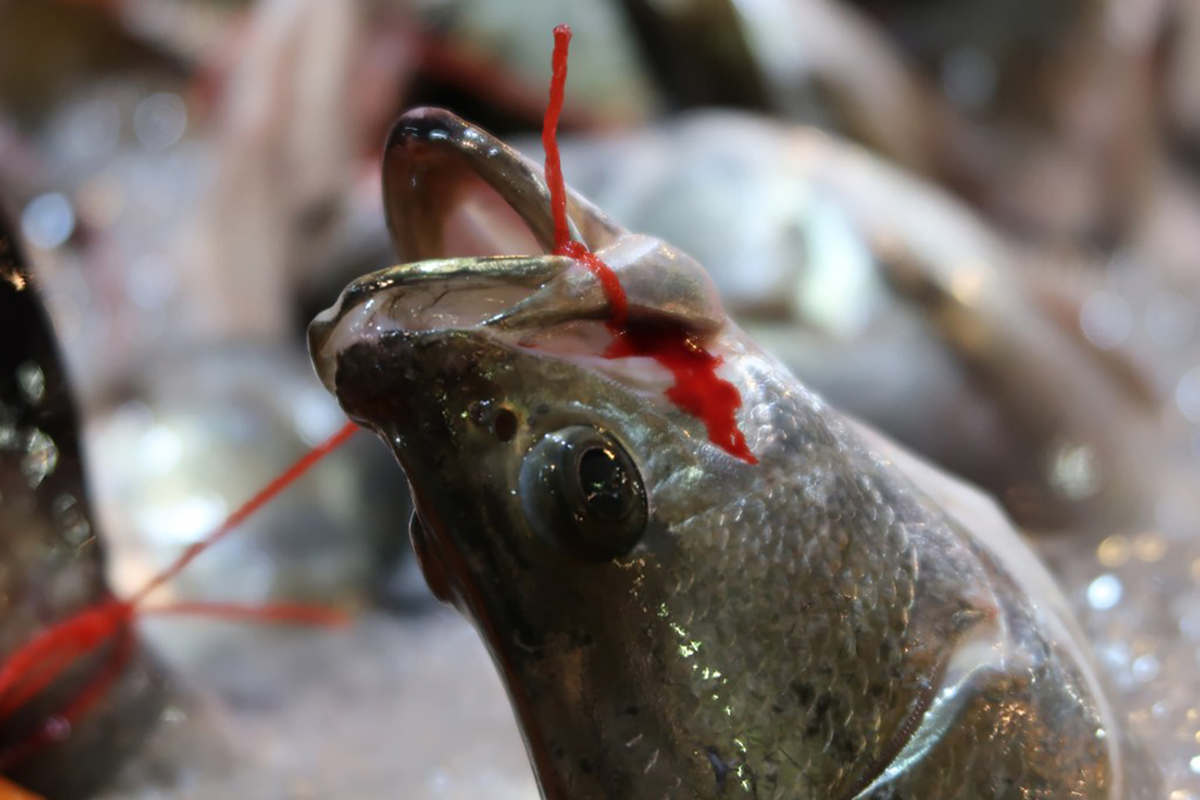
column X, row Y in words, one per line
column 160, row 120
column 1106, row 320
column 439, row 780
column 173, row 715
column 48, row 220
column 71, row 521
column 1114, row 551
column 160, row 449
column 1104, row 592
column 9, row 439
column 184, row 520
column 41, row 457
column 57, row 728
column 100, row 200
column 88, row 131
column 32, row 382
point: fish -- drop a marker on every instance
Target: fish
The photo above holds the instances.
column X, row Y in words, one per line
column 51, row 567
column 831, row 618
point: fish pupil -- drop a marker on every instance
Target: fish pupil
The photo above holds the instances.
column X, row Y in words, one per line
column 607, row 490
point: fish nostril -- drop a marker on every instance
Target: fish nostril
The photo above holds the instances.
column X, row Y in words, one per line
column 505, row 425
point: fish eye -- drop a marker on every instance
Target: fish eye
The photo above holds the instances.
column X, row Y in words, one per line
column 581, row 491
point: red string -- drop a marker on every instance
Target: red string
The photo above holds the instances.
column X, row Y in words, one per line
column 28, row 671
column 554, row 175
column 285, row 479
column 563, row 244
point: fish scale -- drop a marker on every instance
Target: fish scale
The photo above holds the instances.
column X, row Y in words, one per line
column 788, row 560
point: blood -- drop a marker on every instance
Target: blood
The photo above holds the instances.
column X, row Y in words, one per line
column 697, row 388
column 34, row 666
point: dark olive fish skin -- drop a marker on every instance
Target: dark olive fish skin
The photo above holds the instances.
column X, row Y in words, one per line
column 51, row 564
column 792, row 627
column 826, row 623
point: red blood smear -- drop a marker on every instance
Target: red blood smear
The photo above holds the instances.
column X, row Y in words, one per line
column 35, row 665
column 697, row 389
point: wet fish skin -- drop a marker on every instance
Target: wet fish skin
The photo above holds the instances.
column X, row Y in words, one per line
column 825, row 636
column 813, row 626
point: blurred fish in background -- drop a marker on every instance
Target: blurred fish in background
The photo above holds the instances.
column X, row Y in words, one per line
column 975, row 225
column 52, row 562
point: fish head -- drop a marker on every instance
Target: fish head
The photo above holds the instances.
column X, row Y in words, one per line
column 666, row 615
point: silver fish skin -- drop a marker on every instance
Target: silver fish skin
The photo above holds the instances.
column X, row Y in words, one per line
column 835, row 621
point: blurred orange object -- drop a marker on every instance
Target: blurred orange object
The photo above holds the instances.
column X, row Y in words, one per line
column 10, row 791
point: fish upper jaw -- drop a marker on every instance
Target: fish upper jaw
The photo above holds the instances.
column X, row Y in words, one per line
column 425, row 296
column 519, row 298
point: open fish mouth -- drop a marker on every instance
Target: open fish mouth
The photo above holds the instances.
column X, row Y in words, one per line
column 439, row 169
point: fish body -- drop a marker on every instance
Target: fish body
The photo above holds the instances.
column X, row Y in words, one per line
column 836, row 620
